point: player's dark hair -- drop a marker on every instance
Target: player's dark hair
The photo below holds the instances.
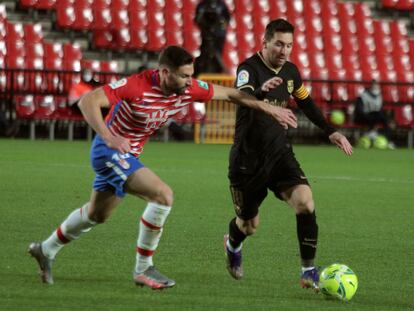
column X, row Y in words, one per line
column 278, row 25
column 174, row 56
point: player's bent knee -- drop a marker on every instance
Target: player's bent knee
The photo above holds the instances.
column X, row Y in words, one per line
column 165, row 196
column 305, row 206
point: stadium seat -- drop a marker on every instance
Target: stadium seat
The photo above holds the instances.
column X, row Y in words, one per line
column 156, row 40
column 277, row 8
column 25, row 106
column 137, row 20
column 137, row 5
column 45, row 107
column 14, row 32
column 28, row 3
column 65, row 14
column 46, row 4
column 83, row 18
column 33, row 33
column 139, row 38
column 120, row 19
column 122, row 39
column 103, row 39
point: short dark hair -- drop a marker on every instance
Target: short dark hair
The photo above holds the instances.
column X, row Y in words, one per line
column 174, row 57
column 278, row 25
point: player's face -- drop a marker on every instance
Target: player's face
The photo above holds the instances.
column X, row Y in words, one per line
column 179, row 80
column 277, row 51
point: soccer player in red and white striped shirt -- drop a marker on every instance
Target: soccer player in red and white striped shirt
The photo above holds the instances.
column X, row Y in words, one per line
column 139, row 105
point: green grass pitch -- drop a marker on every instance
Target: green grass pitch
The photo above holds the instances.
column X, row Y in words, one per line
column 364, row 206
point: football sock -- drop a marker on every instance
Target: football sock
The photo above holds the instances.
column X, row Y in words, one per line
column 236, row 237
column 307, row 231
column 304, row 269
column 71, row 228
column 150, row 230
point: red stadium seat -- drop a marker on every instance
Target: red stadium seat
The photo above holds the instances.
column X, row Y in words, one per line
column 101, row 18
column 277, row 8
column 404, row 116
column 156, row 40
column 137, row 20
column 28, row 3
column 34, row 79
column 103, row 39
column 83, row 18
column 139, row 38
column 14, row 32
column 65, row 13
column 122, row 38
column 120, row 19
column 45, row 107
column 46, row 4
column 25, row 106
column 138, row 5
column 33, row 33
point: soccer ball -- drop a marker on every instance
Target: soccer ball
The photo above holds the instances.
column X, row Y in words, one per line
column 337, row 117
column 364, row 142
column 338, row 281
column 381, row 142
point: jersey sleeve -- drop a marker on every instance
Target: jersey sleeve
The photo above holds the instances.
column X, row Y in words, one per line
column 121, row 90
column 246, row 78
column 299, row 90
column 201, row 91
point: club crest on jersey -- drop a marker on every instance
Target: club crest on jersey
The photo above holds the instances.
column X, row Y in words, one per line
column 120, row 158
column 242, row 78
column 116, row 84
column 290, row 86
column 202, row 84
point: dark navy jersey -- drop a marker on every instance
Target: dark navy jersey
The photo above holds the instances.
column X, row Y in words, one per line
column 259, row 137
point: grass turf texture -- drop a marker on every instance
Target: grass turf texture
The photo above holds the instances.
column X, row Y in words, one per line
column 364, row 208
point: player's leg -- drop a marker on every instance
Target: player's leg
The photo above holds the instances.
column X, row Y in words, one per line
column 80, row 221
column 147, row 185
column 300, row 198
column 246, row 205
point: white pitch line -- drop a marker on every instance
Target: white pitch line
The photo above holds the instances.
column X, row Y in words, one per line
column 378, row 179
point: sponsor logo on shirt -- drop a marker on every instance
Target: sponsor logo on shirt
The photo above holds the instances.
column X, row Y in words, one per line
column 242, row 78
column 117, row 84
column 202, row 84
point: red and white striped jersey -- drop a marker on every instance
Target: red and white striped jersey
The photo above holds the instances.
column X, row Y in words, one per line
column 138, row 106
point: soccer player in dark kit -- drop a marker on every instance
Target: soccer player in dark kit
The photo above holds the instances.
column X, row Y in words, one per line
column 261, row 157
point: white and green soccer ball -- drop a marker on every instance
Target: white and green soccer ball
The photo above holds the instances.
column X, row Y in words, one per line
column 338, row 281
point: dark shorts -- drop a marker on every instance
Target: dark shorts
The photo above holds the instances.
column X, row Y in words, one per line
column 249, row 190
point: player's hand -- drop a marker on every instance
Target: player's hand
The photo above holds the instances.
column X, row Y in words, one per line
column 271, row 84
column 284, row 116
column 118, row 142
column 342, row 142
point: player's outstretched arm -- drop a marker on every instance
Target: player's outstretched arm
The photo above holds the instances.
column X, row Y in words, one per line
column 91, row 105
column 284, row 116
column 342, row 142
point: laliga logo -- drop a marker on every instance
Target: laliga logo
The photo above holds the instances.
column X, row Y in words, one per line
column 120, row 158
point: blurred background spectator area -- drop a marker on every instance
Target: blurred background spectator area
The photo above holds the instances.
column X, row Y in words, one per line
column 339, row 45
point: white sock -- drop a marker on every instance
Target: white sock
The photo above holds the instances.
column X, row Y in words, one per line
column 304, row 269
column 232, row 249
column 150, row 231
column 72, row 227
